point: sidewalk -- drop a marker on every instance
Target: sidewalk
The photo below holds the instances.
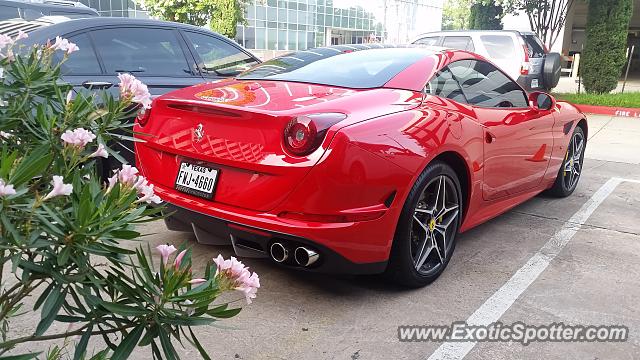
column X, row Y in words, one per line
column 569, row 85
column 613, row 138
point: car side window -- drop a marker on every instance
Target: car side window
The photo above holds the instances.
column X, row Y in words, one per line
column 141, row 51
column 83, row 62
column 485, row 86
column 429, row 41
column 218, row 56
column 459, row 42
column 444, row 85
column 499, row 46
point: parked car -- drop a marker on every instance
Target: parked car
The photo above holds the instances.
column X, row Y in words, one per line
column 33, row 10
column 356, row 159
column 520, row 54
column 164, row 55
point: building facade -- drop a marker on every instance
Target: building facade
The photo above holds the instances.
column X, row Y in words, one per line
column 117, row 8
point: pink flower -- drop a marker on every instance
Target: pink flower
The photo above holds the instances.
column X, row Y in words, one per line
column 112, row 182
column 178, row 260
column 197, row 281
column 100, row 152
column 148, row 194
column 134, row 90
column 78, row 137
column 238, row 275
column 165, row 251
column 128, row 175
column 64, row 45
column 69, row 96
column 5, row 40
column 59, row 188
column 5, row 135
column 21, row 35
column 6, row 189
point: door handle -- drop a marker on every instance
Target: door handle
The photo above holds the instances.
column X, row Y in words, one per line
column 91, row 85
column 489, row 137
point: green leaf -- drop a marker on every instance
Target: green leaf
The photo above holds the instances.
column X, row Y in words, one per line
column 202, row 351
column 21, row 357
column 123, row 309
column 165, row 341
column 224, row 314
column 81, row 347
column 127, row 345
column 50, row 310
column 32, row 165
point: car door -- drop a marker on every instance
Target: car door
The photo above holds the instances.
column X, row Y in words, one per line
column 518, row 138
column 155, row 55
column 82, row 68
column 217, row 57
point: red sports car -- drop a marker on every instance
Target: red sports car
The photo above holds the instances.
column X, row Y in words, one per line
column 356, row 159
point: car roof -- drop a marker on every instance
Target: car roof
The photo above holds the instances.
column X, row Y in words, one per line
column 69, row 6
column 517, row 32
column 45, row 32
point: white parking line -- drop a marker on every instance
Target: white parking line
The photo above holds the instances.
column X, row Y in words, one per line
column 492, row 309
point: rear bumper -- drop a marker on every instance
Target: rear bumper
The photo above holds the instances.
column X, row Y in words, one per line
column 250, row 241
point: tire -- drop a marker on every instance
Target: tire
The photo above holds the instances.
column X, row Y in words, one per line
column 566, row 182
column 419, row 225
column 551, row 70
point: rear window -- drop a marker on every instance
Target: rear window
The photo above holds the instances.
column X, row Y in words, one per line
column 429, row 41
column 363, row 69
column 499, row 46
column 459, row 42
column 534, row 46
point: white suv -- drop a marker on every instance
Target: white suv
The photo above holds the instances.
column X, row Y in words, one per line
column 521, row 55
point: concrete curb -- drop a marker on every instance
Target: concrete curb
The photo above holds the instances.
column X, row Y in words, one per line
column 611, row 111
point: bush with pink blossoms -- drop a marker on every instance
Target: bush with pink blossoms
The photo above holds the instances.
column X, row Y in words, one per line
column 58, row 221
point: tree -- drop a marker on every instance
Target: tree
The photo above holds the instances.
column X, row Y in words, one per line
column 486, row 15
column 606, row 42
column 221, row 15
column 546, row 17
column 455, row 14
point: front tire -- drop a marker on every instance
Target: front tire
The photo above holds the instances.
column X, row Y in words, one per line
column 571, row 169
column 426, row 232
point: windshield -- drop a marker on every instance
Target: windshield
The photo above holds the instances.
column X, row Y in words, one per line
column 364, row 69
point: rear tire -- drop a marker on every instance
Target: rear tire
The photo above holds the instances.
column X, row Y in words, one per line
column 427, row 228
column 571, row 168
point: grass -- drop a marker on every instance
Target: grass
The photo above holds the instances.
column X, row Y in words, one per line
column 629, row 100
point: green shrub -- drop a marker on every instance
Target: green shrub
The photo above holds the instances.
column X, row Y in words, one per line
column 605, row 51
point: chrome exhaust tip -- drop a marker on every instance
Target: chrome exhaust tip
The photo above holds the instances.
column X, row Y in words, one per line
column 278, row 252
column 305, row 257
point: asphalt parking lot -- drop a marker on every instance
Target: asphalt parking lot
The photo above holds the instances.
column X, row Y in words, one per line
column 592, row 277
column 573, row 260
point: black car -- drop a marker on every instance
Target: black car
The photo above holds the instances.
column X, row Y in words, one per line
column 27, row 10
column 164, row 55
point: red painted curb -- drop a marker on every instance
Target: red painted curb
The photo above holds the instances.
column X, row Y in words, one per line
column 612, row 111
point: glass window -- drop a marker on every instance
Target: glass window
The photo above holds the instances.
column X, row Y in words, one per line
column 220, row 57
column 83, row 62
column 444, row 85
column 261, row 38
column 272, row 14
column 293, row 18
column 141, row 50
column 272, row 3
column 249, row 37
column 272, row 39
column 282, row 15
column 358, row 69
column 8, row 12
column 429, row 41
column 261, row 13
column 458, row 42
column 485, row 86
column 535, row 48
column 282, row 39
column 499, row 46
column 292, row 40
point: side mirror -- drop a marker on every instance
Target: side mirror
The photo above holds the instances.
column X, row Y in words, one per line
column 541, row 101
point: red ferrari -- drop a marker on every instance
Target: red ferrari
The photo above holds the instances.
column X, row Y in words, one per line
column 356, row 159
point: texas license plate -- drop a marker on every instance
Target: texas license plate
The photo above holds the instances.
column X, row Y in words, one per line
column 196, row 180
column 535, row 83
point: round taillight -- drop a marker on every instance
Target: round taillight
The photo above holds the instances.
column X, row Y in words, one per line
column 143, row 116
column 300, row 136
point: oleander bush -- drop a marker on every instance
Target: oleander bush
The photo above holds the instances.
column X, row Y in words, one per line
column 63, row 231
